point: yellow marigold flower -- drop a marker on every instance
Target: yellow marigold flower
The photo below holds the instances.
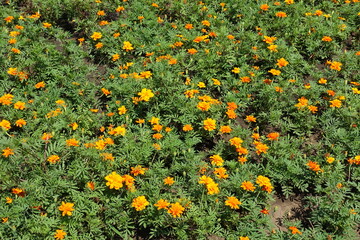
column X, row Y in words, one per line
column 5, row 124
column 66, row 208
column 12, row 71
column 154, row 120
column 273, row 48
column 101, row 13
column 96, row 35
column 212, row 188
column 19, row 105
column 216, row 160
column 122, row 110
column 236, row 141
column 162, row 204
column 47, row 25
column 261, row 148
column 114, row 180
column 205, row 180
column 248, row 186
column 127, row 46
column 59, row 234
column 46, row 136
column 169, row 181
column 303, row 102
column 236, row 70
column 209, row 124
column 53, row 159
column 232, row 202
column 244, row 238
column 145, row 94
column 139, row 203
column 9, row 200
column 6, row 99
column 274, row 72
column 176, row 209
column 335, row 103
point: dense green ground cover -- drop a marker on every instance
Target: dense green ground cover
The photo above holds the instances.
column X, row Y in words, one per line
column 179, row 119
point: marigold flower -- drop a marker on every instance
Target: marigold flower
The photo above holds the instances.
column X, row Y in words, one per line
column 335, row 66
column 326, row 39
column 231, row 114
column 40, row 85
column 72, row 142
column 236, row 141
column 232, row 202
column 273, row 48
column 19, row 105
column 99, row 45
column 335, row 103
column 53, row 159
column 5, row 124
column 212, row 188
column 127, row 46
column 302, row 102
column 205, row 180
column 236, row 70
column 15, row 50
column 314, row 166
column 8, row 19
column 189, row 26
column 209, row 124
column 187, row 128
column 281, row 14
column 59, row 234
column 169, row 181
column 7, row 152
column 294, row 230
column 114, row 180
column 176, row 209
column 66, row 208
column 261, row 148
column 145, row 94
column 220, row 173
column 192, row 51
column 225, row 129
column 216, row 160
column 138, row 170
column 203, row 106
column 273, row 136
column 9, row 200
column 6, row 99
column 118, row 131
column 96, row 36
column 274, row 72
column 162, row 204
column 282, row 62
column 12, row 71
column 248, row 186
column 313, row 109
column 264, row 7
column 139, row 203
column 47, row 25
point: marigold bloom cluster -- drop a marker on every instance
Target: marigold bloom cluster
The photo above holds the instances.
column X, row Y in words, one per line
column 264, row 183
column 139, row 203
column 211, row 186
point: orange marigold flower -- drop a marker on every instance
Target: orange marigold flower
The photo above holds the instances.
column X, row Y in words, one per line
column 314, row 166
column 138, row 170
column 264, row 7
column 169, row 181
column 53, row 159
column 40, row 85
column 326, row 39
column 47, row 25
column 7, row 152
column 8, row 19
column 189, row 26
column 220, row 173
column 176, row 209
column 273, row 136
column 72, row 142
column 15, row 50
column 335, row 66
column 66, row 208
column 281, row 14
column 250, row 118
column 225, row 129
column 282, row 62
column 192, row 51
column 274, row 72
column 145, row 94
column 59, row 234
column 248, row 186
column 335, row 103
column 162, row 204
column 233, row 202
column 6, row 99
column 139, row 203
column 12, row 71
column 212, row 188
column 19, row 105
column 187, row 127
column 261, row 148
column 209, row 124
column 231, row 114
column 236, row 141
column 313, row 109
column 302, row 102
column 216, row 160
column 127, row 46
column 294, row 230
column 203, row 106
